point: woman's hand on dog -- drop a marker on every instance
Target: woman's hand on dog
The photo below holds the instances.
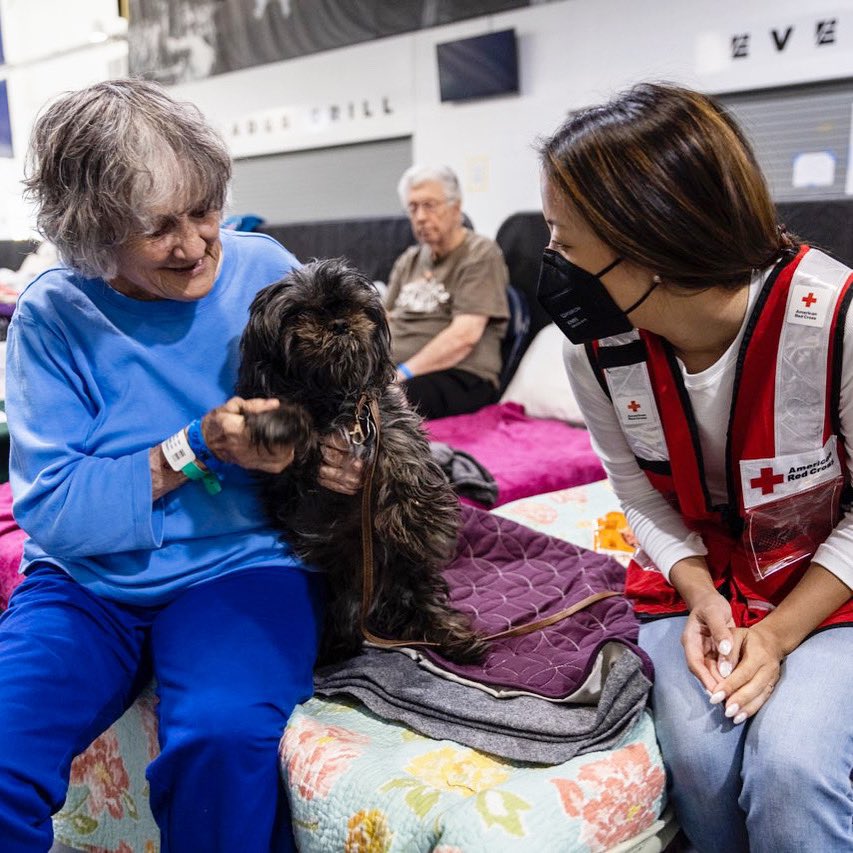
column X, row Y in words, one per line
column 341, row 471
column 227, row 435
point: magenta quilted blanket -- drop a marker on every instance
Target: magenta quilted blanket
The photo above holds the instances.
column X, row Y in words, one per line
column 526, row 456
column 506, row 575
column 11, row 547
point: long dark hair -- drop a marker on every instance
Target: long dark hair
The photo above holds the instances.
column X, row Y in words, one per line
column 667, row 178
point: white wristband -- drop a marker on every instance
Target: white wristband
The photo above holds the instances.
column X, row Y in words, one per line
column 177, row 451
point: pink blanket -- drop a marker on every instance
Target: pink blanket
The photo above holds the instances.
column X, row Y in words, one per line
column 526, row 456
column 11, row 547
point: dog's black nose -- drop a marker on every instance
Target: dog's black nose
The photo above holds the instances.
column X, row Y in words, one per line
column 340, row 327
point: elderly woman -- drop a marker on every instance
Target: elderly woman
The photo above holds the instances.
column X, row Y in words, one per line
column 147, row 551
column 447, row 301
column 713, row 367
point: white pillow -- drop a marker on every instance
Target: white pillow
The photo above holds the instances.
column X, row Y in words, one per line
column 540, row 384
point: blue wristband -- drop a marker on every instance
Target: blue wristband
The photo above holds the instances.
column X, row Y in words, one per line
column 405, row 370
column 203, row 453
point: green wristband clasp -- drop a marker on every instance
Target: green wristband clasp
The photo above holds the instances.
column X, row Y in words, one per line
column 209, row 480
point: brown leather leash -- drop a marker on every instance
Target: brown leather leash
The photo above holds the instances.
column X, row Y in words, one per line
column 358, row 435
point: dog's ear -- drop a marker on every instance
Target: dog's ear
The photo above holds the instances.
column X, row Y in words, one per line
column 265, row 317
column 260, row 342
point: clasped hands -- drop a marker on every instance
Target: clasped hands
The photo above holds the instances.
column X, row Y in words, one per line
column 226, row 434
column 737, row 666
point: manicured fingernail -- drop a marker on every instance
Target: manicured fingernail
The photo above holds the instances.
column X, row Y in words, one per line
column 732, row 709
column 725, row 647
column 739, row 718
column 717, row 697
column 725, row 668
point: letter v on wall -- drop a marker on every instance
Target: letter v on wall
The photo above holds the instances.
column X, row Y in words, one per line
column 780, row 42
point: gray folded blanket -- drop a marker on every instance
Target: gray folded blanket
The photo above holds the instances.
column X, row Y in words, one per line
column 521, row 728
column 467, row 476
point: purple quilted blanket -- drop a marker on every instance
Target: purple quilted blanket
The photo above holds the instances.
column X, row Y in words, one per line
column 506, row 575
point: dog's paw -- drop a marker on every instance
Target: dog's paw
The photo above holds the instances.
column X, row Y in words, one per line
column 457, row 641
column 288, row 424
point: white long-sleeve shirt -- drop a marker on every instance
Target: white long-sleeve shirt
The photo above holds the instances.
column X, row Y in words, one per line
column 658, row 527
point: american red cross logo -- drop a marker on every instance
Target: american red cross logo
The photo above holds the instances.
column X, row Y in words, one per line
column 766, row 481
column 809, row 300
column 634, row 405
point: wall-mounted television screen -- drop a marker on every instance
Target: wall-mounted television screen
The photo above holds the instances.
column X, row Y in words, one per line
column 478, row 67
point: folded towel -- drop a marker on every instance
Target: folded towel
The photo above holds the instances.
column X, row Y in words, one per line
column 521, row 728
column 468, row 477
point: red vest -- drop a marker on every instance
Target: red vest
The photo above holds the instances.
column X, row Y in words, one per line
column 784, row 454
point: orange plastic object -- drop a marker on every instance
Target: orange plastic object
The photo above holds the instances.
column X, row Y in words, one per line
column 613, row 534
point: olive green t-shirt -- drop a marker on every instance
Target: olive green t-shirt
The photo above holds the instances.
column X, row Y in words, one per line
column 424, row 296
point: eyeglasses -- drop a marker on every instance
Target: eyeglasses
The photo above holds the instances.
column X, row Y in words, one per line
column 429, row 206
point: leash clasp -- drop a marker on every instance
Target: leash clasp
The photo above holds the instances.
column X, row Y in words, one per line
column 363, row 427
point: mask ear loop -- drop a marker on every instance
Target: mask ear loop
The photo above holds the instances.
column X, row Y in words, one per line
column 608, row 268
column 655, row 282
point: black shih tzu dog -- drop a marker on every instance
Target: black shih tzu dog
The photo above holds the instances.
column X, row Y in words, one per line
column 319, row 341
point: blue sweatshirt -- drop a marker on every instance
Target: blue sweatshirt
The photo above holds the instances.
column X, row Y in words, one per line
column 95, row 379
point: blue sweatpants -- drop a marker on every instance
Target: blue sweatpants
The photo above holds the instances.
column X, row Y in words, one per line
column 231, row 656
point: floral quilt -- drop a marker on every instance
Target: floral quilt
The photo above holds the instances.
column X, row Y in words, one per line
column 584, row 515
column 362, row 785
column 106, row 810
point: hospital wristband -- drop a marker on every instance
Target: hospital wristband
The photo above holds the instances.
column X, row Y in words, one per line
column 195, row 439
column 181, row 458
column 405, row 370
column 177, row 450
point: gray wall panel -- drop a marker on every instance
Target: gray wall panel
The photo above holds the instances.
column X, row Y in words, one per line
column 783, row 123
column 344, row 182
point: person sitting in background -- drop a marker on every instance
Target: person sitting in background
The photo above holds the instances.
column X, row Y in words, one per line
column 447, row 301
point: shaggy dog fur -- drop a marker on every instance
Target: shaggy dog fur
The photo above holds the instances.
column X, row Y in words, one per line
column 318, row 340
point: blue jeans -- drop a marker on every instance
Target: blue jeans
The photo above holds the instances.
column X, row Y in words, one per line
column 780, row 782
column 232, row 657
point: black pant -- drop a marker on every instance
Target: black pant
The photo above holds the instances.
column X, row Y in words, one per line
column 449, row 392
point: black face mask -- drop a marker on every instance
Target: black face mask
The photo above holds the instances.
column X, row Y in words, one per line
column 578, row 302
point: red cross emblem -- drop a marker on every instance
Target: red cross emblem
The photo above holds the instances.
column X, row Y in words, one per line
column 634, row 405
column 809, row 300
column 766, row 481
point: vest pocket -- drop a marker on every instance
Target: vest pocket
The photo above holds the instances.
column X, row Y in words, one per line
column 788, row 531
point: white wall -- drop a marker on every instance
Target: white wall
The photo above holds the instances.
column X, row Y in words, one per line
column 572, row 53
column 579, row 52
column 50, row 46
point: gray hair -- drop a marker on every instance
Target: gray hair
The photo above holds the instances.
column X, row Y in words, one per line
column 103, row 159
column 416, row 175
